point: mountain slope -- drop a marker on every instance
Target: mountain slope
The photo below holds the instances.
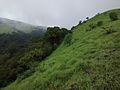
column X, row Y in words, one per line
column 8, row 26
column 15, row 38
column 91, row 61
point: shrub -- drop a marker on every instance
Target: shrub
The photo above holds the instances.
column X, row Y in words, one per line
column 108, row 30
column 97, row 14
column 73, row 28
column 87, row 18
column 84, row 21
column 92, row 26
column 113, row 16
column 88, row 29
column 80, row 22
column 68, row 39
column 99, row 23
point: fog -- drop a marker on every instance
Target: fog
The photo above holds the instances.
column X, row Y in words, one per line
column 64, row 13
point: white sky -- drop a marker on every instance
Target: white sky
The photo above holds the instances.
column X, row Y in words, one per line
column 64, row 13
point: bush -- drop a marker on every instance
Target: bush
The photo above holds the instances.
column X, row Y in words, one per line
column 73, row 28
column 99, row 23
column 80, row 22
column 88, row 29
column 91, row 26
column 84, row 21
column 108, row 30
column 87, row 18
column 113, row 16
column 68, row 39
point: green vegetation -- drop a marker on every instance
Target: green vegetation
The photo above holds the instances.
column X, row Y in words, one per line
column 68, row 38
column 22, row 52
column 90, row 62
column 113, row 16
column 12, row 48
column 99, row 23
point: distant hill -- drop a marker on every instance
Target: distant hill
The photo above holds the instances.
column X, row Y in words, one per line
column 88, row 59
column 18, row 32
column 8, row 26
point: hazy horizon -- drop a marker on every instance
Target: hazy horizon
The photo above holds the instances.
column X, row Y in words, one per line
column 63, row 13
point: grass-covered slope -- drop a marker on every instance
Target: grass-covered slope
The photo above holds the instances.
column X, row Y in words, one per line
column 90, row 62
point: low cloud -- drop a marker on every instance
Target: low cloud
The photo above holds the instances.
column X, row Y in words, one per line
column 64, row 13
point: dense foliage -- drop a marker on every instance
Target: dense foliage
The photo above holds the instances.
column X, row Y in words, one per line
column 21, row 51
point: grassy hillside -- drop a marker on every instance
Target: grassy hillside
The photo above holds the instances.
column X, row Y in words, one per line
column 91, row 61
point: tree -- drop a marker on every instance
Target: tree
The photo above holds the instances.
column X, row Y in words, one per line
column 55, row 35
column 68, row 39
column 87, row 18
column 113, row 16
column 80, row 22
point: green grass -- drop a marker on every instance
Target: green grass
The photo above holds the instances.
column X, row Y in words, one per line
column 91, row 62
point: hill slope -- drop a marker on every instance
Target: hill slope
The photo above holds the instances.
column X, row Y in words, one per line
column 21, row 52
column 91, row 61
column 15, row 37
column 8, row 26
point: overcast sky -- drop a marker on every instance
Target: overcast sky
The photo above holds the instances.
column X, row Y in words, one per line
column 64, row 13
